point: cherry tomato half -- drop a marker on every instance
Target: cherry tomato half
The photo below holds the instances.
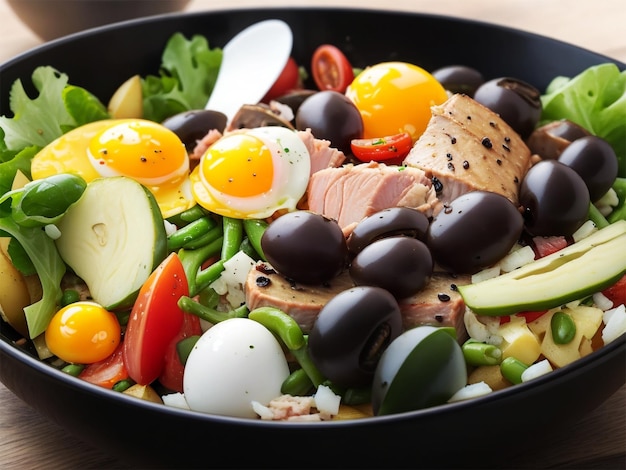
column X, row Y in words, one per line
column 288, row 80
column 617, row 292
column 155, row 320
column 390, row 150
column 107, row 372
column 331, row 69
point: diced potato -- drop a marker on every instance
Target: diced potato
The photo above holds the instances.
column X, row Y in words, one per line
column 127, row 101
column 541, row 324
column 585, row 347
column 491, row 375
column 587, row 319
column 144, row 392
column 519, row 342
column 353, row 412
column 561, row 354
column 14, row 293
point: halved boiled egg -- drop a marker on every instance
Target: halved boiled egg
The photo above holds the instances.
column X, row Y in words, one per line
column 140, row 149
column 252, row 173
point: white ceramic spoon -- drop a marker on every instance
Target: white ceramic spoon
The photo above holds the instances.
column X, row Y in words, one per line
column 251, row 63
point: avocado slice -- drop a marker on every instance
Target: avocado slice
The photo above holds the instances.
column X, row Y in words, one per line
column 581, row 269
column 112, row 238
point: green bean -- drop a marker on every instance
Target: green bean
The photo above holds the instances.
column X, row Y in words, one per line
column 122, row 316
column 303, row 358
column 208, row 297
column 254, row 229
column 192, row 231
column 512, row 369
column 481, row 354
column 73, row 369
column 619, row 212
column 184, row 347
column 596, row 216
column 233, row 235
column 563, row 327
column 298, row 383
column 209, row 237
column 122, row 385
column 281, row 324
column 357, row 396
column 192, row 262
column 248, row 249
column 187, row 216
column 207, row 276
column 187, row 304
column 69, row 297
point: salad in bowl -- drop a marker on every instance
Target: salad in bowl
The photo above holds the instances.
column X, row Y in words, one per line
column 371, row 239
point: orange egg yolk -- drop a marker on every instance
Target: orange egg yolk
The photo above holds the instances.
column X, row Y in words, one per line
column 83, row 333
column 238, row 165
column 395, row 97
column 143, row 150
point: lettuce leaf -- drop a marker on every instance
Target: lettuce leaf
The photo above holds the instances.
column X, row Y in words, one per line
column 58, row 108
column 594, row 99
column 188, row 73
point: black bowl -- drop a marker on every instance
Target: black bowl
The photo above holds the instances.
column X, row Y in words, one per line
column 467, row 434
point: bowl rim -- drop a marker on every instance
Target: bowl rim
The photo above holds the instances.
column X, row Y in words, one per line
column 10, row 349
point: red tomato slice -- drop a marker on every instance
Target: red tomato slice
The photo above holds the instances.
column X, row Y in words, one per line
column 391, row 149
column 617, row 292
column 155, row 320
column 528, row 316
column 107, row 372
column 173, row 370
column 289, row 79
column 331, row 69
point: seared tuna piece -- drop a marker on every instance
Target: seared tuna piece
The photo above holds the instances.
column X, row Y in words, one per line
column 352, row 192
column 322, row 154
column 468, row 147
column 438, row 304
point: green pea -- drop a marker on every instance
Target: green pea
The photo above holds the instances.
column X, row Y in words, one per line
column 298, row 383
column 563, row 327
column 512, row 369
column 69, row 297
column 122, row 385
column 73, row 369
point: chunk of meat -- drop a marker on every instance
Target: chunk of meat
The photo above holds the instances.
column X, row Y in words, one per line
column 352, row 192
column 468, row 147
column 266, row 288
column 438, row 304
column 203, row 144
column 322, row 154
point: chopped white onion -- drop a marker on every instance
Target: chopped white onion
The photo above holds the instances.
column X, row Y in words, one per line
column 52, row 231
column 602, row 301
column 614, row 323
column 326, row 401
column 175, row 400
column 584, row 231
column 485, row 274
column 517, row 259
column 536, row 370
column 471, row 391
column 170, row 228
column 263, row 411
column 233, row 278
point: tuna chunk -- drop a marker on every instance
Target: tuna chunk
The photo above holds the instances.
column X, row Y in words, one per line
column 438, row 304
column 322, row 154
column 352, row 192
column 468, row 147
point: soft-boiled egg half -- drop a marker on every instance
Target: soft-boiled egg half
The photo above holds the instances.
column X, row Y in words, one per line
column 252, row 173
column 140, row 149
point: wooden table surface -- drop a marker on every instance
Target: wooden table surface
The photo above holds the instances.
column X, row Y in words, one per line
column 30, row 441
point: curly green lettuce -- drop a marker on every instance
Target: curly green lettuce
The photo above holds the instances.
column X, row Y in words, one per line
column 594, row 99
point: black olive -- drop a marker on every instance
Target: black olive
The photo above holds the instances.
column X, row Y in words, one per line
column 294, row 99
column 305, row 247
column 351, row 332
column 555, row 199
column 474, row 231
column 518, row 103
column 594, row 159
column 459, row 79
column 551, row 139
column 331, row 116
column 191, row 126
column 401, row 265
column 386, row 223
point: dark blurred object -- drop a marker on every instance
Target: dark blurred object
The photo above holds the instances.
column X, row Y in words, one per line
column 50, row 19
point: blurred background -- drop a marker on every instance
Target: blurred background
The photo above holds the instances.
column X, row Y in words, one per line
column 593, row 25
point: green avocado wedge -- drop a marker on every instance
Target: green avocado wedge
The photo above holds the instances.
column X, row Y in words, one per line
column 112, row 238
column 583, row 268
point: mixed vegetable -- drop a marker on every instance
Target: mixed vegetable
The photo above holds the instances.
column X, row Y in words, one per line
column 154, row 248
